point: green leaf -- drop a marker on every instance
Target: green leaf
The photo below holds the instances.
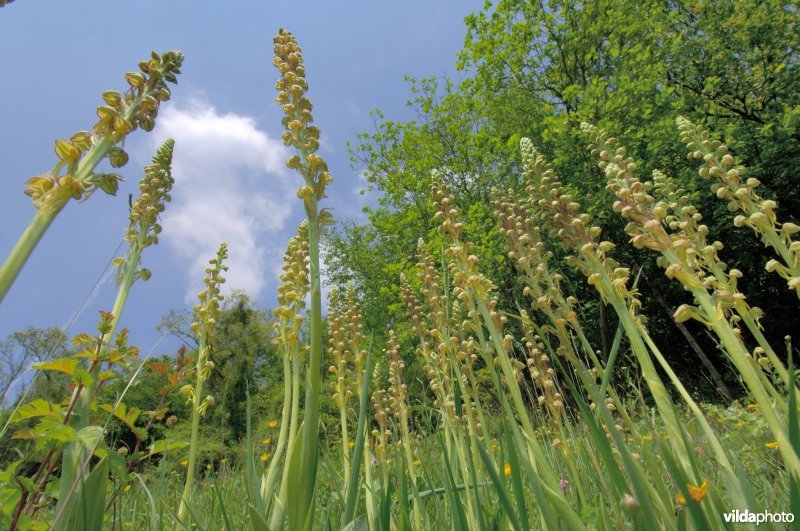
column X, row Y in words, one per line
column 386, row 507
column 295, row 507
column 90, row 436
column 121, row 412
column 65, row 365
column 84, row 510
column 151, row 504
column 360, row 523
column 794, row 437
column 358, row 451
column 516, row 478
column 457, row 508
column 228, row 525
column 38, row 408
column 257, row 504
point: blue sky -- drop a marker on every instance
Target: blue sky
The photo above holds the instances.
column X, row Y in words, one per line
column 58, row 57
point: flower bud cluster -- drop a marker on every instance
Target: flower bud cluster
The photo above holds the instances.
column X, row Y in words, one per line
column 698, row 264
column 634, row 201
column 122, row 114
column 686, row 254
column 206, row 314
column 527, row 251
column 468, row 349
column 304, row 137
column 432, row 328
column 544, row 377
column 462, row 346
column 553, row 206
column 398, row 391
column 447, row 353
column 292, row 293
column 463, row 264
column 556, row 210
column 154, row 191
column 355, row 333
column 740, row 192
column 338, row 349
column 412, row 305
column 382, row 435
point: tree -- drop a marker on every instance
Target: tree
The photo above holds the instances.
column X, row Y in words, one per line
column 22, row 349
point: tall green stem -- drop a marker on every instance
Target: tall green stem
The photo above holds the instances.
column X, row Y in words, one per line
column 308, row 449
column 183, row 512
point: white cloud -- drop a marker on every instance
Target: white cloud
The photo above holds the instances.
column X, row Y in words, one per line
column 231, row 185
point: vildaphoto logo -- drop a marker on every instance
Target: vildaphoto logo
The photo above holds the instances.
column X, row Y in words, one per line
column 746, row 517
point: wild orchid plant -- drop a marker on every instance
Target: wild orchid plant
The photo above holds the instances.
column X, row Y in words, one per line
column 304, row 138
column 206, row 313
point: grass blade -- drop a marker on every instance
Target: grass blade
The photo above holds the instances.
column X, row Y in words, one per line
column 500, row 489
column 228, row 525
column 516, row 479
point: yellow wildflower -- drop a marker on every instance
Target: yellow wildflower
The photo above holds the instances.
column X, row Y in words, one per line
column 752, row 406
column 698, row 493
column 741, row 424
column 771, row 445
column 507, row 469
column 127, row 488
column 264, row 456
column 272, row 423
column 351, row 444
column 266, row 440
column 185, row 462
